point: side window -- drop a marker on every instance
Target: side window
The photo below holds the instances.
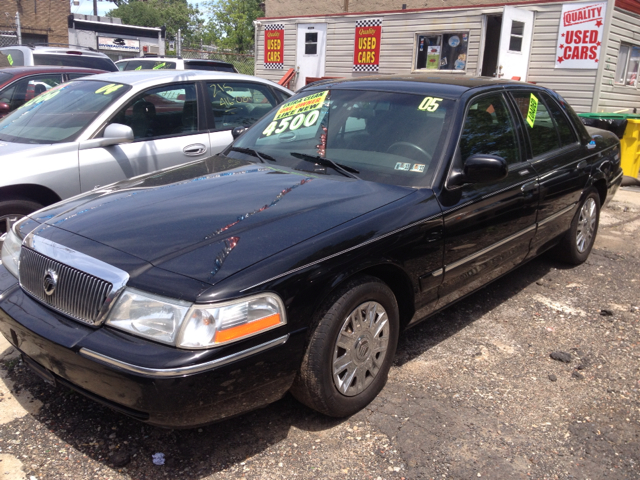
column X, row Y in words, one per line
column 489, row 129
column 567, row 136
column 538, row 122
column 239, row 104
column 24, row 90
column 161, row 112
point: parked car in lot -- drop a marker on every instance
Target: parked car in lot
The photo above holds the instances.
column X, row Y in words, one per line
column 292, row 260
column 20, row 84
column 169, row 63
column 114, row 126
column 55, row 55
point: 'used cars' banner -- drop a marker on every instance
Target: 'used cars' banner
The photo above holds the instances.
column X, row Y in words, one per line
column 366, row 55
column 580, row 35
column 274, row 46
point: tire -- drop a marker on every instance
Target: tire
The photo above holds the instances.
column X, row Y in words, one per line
column 341, row 339
column 576, row 246
column 13, row 210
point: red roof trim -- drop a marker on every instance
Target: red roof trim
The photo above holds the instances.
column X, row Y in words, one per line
column 630, row 5
column 418, row 10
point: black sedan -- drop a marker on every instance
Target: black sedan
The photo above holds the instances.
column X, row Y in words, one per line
column 293, row 260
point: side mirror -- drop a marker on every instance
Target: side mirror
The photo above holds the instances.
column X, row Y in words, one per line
column 4, row 109
column 480, row 168
column 236, row 132
column 114, row 134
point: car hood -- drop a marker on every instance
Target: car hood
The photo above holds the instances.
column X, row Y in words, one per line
column 210, row 219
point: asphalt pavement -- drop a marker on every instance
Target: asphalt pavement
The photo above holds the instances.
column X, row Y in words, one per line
column 535, row 376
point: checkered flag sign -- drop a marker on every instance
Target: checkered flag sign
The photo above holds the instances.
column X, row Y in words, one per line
column 366, row 56
column 274, row 46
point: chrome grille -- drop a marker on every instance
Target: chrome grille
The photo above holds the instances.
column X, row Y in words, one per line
column 77, row 294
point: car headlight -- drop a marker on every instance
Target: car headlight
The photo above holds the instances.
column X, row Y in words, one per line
column 193, row 326
column 11, row 249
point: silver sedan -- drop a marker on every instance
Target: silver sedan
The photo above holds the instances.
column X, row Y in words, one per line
column 109, row 127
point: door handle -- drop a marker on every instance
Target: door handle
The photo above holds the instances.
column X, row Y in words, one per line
column 194, row 150
column 529, row 187
column 582, row 165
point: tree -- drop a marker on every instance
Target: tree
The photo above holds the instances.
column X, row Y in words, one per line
column 173, row 14
column 231, row 23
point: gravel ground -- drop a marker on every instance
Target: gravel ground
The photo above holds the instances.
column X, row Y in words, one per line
column 474, row 392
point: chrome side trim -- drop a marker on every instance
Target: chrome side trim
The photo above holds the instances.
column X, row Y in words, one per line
column 475, row 255
column 182, row 371
column 342, row 252
column 614, row 180
column 438, row 272
column 67, row 256
column 556, row 215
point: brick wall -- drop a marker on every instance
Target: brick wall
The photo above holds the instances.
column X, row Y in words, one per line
column 40, row 17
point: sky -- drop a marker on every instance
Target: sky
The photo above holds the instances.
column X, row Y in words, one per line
column 86, row 7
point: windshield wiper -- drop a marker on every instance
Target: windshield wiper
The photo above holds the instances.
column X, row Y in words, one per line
column 343, row 169
column 249, row 151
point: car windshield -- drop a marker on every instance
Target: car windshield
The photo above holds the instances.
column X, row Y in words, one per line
column 392, row 138
column 61, row 113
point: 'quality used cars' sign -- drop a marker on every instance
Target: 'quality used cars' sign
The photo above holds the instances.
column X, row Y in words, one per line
column 366, row 55
column 274, row 46
column 580, row 35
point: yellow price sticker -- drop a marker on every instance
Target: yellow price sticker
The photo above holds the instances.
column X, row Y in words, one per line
column 160, row 66
column 430, row 104
column 109, row 89
column 533, row 109
column 10, row 58
column 139, row 67
column 302, row 105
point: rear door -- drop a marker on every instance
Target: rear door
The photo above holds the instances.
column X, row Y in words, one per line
column 169, row 128
column 488, row 226
column 558, row 158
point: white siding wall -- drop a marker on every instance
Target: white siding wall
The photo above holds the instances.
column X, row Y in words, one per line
column 575, row 85
column 625, row 28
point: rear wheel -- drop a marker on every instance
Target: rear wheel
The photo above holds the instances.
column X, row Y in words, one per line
column 578, row 241
column 13, row 210
column 351, row 349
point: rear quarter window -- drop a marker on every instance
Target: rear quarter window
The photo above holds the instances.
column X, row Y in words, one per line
column 11, row 58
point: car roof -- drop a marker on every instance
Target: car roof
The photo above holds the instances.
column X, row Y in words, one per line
column 161, row 58
column 436, row 84
column 149, row 78
column 20, row 71
column 57, row 49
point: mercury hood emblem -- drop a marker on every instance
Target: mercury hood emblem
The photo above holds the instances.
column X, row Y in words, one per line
column 50, row 281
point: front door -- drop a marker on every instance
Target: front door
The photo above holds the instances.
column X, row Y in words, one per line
column 310, row 52
column 515, row 43
column 168, row 130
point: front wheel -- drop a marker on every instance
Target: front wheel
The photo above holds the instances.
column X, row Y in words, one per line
column 351, row 349
column 578, row 241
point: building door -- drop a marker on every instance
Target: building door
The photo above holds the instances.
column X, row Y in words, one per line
column 310, row 52
column 508, row 44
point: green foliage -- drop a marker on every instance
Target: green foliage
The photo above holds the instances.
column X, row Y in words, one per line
column 173, row 14
column 230, row 24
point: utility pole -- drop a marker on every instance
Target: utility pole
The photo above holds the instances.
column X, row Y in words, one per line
column 95, row 7
column 179, row 45
column 18, row 31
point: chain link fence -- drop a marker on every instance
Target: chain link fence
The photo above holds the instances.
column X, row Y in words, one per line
column 8, row 35
column 244, row 63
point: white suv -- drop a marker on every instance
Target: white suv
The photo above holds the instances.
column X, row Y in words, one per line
column 65, row 56
column 166, row 63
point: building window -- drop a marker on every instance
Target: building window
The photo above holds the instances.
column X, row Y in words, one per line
column 442, row 51
column 627, row 68
column 515, row 42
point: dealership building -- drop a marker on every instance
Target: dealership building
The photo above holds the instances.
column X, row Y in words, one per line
column 110, row 36
column 589, row 52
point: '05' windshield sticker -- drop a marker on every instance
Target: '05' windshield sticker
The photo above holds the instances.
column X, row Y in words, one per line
column 109, row 89
column 302, row 119
column 430, row 104
column 533, row 109
column 302, row 105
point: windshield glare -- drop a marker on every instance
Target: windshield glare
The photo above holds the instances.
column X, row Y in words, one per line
column 392, row 138
column 61, row 113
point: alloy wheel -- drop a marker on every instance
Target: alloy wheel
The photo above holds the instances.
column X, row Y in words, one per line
column 586, row 225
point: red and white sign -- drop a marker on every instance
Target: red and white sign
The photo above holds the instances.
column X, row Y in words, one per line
column 274, row 46
column 580, row 35
column 366, row 54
